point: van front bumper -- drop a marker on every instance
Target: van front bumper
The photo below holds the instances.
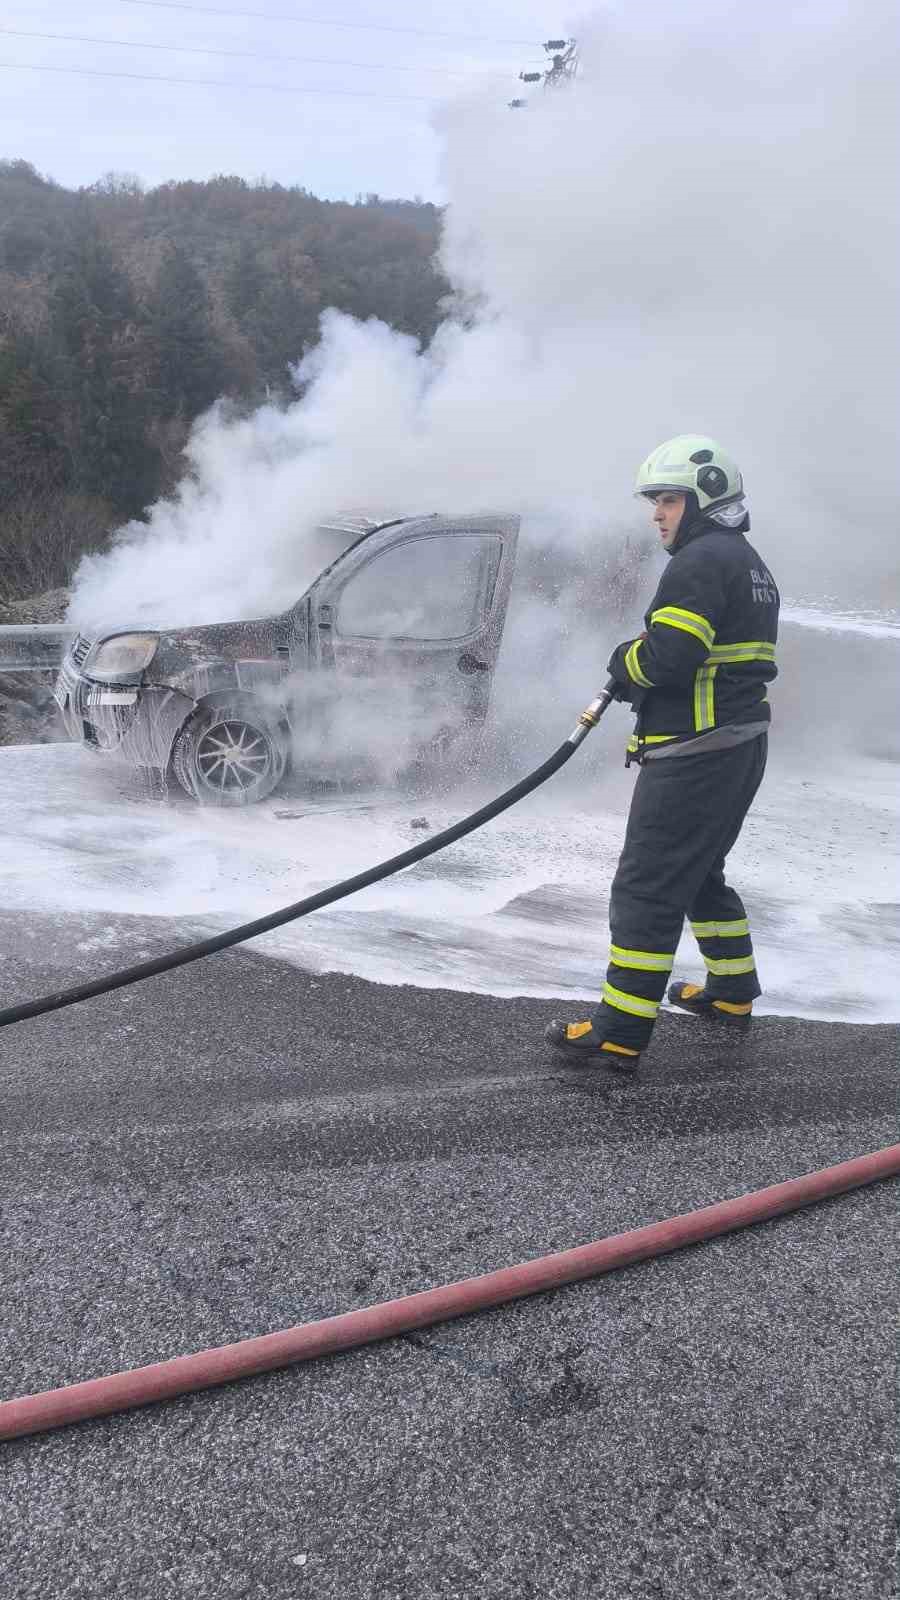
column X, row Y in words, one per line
column 136, row 723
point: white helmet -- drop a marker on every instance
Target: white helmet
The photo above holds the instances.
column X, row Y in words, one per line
column 693, row 464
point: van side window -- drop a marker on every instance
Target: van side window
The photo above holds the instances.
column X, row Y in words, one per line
column 437, row 587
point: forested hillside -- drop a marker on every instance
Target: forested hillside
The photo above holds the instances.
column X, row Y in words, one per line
column 124, row 313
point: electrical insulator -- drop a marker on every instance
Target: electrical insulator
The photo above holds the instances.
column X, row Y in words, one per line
column 556, row 44
column 531, row 77
column 514, row 104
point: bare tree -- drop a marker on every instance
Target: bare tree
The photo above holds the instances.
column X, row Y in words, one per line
column 43, row 536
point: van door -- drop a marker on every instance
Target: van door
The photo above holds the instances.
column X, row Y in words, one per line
column 408, row 625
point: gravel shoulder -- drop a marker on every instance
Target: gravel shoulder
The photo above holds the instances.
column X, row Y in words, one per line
column 242, row 1145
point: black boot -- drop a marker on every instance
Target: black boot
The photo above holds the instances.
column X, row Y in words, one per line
column 585, row 1048
column 690, row 997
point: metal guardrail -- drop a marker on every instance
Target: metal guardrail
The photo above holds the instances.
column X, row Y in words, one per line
column 34, row 647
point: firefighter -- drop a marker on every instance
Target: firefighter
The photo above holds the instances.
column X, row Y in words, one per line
column 696, row 678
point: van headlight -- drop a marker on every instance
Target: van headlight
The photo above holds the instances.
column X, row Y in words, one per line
column 123, row 656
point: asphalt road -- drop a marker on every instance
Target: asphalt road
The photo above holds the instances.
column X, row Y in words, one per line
column 241, row 1146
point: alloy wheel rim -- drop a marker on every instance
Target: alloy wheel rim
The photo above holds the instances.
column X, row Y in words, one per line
column 233, row 757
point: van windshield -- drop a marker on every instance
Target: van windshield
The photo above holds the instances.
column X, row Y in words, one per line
column 331, row 537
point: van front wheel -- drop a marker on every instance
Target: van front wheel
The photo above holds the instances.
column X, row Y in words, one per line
column 230, row 755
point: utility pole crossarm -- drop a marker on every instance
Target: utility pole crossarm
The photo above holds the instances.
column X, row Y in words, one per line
column 563, row 67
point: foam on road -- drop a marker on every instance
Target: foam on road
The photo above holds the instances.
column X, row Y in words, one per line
column 518, row 908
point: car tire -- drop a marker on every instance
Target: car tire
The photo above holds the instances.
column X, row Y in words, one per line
column 230, row 753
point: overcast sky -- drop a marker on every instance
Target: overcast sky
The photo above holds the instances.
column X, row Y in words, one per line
column 354, row 109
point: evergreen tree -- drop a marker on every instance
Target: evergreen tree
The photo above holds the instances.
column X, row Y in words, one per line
column 94, row 350
column 30, row 424
column 244, row 281
column 284, row 322
column 189, row 365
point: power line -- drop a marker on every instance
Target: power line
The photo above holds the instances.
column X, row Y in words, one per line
column 218, row 83
column 326, row 22
column 253, row 55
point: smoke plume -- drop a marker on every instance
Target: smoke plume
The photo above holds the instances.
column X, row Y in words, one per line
column 699, row 235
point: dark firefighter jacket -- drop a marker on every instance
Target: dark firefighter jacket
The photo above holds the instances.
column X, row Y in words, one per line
column 709, row 648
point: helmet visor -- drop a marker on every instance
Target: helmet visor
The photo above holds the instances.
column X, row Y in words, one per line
column 649, row 491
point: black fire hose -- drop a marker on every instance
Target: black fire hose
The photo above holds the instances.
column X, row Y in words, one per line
column 314, row 902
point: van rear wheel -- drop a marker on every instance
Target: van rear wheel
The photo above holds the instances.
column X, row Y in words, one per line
column 230, row 755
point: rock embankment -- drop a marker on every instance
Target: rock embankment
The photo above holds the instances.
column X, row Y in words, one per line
column 50, row 606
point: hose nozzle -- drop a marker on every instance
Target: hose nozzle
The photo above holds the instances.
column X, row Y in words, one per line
column 591, row 714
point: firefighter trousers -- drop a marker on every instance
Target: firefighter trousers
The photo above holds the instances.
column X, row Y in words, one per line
column 686, row 814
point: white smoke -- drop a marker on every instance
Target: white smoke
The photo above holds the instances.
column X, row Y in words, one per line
column 698, row 236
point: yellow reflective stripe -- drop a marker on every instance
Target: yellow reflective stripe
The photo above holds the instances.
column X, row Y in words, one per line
column 721, row 930
column 632, row 666
column 650, row 738
column 763, row 646
column 632, row 1003
column 577, row 1030
column 745, row 650
column 730, row 969
column 642, row 960
column 688, row 622
column 704, row 699
column 737, row 658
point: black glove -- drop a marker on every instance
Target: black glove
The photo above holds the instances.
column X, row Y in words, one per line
column 626, row 688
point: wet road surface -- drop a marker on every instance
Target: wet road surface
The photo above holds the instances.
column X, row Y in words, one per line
column 243, row 1145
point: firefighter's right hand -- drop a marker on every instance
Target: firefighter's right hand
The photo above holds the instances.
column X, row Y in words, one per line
column 618, row 671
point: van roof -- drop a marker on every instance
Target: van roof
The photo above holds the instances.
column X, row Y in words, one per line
column 359, row 522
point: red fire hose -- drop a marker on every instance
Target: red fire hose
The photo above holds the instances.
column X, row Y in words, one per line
column 97, row 1397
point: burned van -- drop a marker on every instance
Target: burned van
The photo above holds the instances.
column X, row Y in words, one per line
column 391, row 649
